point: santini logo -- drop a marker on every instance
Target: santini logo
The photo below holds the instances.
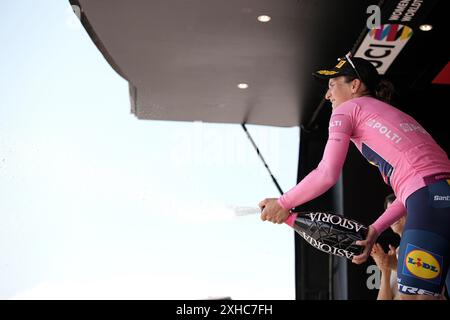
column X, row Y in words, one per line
column 441, row 198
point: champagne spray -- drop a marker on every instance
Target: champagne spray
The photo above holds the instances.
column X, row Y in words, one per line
column 328, row 232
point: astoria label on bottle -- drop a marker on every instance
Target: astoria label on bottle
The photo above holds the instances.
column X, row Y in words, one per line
column 330, row 233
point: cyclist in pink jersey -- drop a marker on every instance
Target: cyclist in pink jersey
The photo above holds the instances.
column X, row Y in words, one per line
column 409, row 160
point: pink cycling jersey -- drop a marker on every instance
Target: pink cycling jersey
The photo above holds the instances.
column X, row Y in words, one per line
column 388, row 138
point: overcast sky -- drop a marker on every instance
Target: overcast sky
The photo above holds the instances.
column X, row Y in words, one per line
column 96, row 204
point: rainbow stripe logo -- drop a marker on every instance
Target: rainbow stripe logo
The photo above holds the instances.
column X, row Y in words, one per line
column 382, row 45
column 391, row 32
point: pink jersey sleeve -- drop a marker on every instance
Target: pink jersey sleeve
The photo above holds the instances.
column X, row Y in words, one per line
column 327, row 172
column 394, row 212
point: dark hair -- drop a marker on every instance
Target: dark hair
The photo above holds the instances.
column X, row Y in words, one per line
column 388, row 200
column 383, row 91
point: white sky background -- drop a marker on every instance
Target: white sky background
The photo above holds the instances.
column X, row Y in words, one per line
column 95, row 204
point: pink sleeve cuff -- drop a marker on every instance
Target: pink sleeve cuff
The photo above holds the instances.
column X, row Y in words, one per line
column 283, row 204
column 394, row 212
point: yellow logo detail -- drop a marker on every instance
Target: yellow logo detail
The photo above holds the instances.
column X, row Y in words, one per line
column 422, row 264
column 326, row 72
column 340, row 64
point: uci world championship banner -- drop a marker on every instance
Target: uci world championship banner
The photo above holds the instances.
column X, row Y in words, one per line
column 399, row 20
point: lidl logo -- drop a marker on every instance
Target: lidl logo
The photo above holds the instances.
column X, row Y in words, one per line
column 422, row 264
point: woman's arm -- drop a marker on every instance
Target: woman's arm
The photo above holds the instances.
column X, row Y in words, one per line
column 323, row 177
column 386, row 262
column 394, row 212
column 385, row 291
column 320, row 179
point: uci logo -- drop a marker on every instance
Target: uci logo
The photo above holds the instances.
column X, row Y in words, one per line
column 422, row 264
column 382, row 45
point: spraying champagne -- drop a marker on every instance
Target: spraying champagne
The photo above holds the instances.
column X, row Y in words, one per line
column 328, row 232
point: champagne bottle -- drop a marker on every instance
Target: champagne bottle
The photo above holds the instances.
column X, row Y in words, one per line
column 328, row 232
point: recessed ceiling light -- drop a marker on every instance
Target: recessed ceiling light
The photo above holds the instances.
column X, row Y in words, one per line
column 426, row 27
column 242, row 85
column 264, row 18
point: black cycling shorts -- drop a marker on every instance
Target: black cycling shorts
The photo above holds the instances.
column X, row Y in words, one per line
column 424, row 253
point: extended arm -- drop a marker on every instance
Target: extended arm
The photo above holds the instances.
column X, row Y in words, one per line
column 327, row 172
